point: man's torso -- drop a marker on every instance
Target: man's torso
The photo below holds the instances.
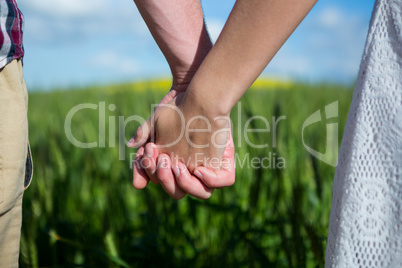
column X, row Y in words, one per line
column 11, row 31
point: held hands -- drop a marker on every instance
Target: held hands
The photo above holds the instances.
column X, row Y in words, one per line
column 166, row 154
column 188, row 141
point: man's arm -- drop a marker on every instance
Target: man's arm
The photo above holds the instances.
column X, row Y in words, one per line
column 179, row 30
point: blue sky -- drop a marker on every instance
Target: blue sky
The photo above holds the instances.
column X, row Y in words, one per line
column 79, row 43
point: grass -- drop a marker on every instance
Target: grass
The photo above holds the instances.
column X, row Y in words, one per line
column 81, row 210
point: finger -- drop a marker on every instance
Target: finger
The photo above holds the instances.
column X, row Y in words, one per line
column 166, row 177
column 189, row 183
column 141, row 135
column 149, row 162
column 140, row 177
column 223, row 177
column 217, row 178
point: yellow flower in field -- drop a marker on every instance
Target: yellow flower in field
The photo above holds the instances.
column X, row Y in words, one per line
column 271, row 83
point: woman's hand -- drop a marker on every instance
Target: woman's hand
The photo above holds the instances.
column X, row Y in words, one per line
column 184, row 144
column 189, row 134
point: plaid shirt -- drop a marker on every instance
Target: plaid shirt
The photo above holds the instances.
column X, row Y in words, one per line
column 11, row 29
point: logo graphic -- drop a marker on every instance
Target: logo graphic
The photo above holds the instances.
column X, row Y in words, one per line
column 331, row 153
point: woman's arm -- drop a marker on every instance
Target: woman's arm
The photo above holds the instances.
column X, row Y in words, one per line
column 254, row 32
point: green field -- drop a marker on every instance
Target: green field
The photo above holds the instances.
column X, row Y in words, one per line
column 81, row 210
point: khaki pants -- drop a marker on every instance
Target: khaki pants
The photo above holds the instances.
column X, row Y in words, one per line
column 13, row 157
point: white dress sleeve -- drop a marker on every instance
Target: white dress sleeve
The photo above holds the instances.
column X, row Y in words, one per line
column 366, row 215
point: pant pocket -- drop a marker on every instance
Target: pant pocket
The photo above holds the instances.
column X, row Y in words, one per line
column 28, row 169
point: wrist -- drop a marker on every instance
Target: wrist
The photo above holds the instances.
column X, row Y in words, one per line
column 199, row 116
column 205, row 93
column 189, row 58
column 206, row 105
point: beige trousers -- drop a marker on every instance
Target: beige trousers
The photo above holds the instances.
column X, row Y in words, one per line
column 13, row 156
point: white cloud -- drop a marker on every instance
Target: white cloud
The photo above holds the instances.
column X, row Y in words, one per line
column 343, row 36
column 61, row 21
column 111, row 41
column 66, row 8
column 110, row 60
column 330, row 17
column 327, row 46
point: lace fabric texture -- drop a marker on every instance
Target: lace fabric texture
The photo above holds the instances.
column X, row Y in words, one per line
column 366, row 216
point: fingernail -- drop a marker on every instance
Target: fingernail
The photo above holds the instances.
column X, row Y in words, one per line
column 176, row 171
column 131, row 143
column 162, row 162
column 198, row 174
column 149, row 151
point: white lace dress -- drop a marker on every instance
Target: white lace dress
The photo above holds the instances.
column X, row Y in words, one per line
column 366, row 217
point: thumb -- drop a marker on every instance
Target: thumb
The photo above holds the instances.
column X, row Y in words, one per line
column 141, row 135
